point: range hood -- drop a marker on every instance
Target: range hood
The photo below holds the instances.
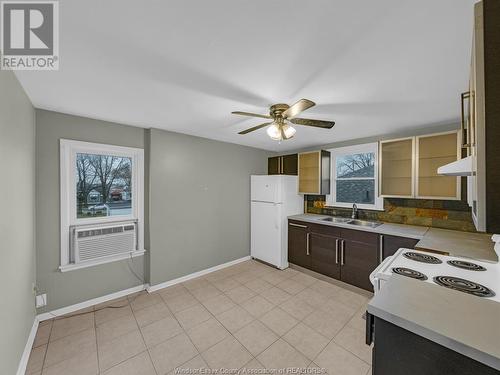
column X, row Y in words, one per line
column 462, row 167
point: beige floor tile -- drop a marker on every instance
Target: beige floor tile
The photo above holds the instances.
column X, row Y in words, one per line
column 44, row 322
column 160, row 331
column 254, row 365
column 118, row 350
column 205, row 293
column 114, row 302
column 306, row 340
column 217, row 275
column 279, row 321
column 144, row 300
column 240, row 294
column 152, row 314
column 275, row 295
column 228, row 353
column 354, row 341
column 192, row 316
column 219, row 304
column 106, row 314
column 337, row 308
column 312, row 297
column 291, row 287
column 84, row 364
column 141, row 364
column 358, row 321
column 290, row 271
column 172, row 291
column 226, row 284
column 67, row 326
column 257, row 306
column 245, row 277
column 258, row 285
column 282, row 355
column 116, row 328
column 256, row 337
column 35, row 362
column 304, row 279
column 42, row 335
column 339, row 361
column 349, row 298
column 172, row 353
column 207, row 334
column 326, row 323
column 235, row 318
column 275, row 277
column 196, row 283
column 194, row 364
column 297, row 307
column 325, row 288
column 181, row 302
column 70, row 346
column 319, row 370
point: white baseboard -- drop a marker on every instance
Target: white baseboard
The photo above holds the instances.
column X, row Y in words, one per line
column 90, row 302
column 166, row 284
column 23, row 363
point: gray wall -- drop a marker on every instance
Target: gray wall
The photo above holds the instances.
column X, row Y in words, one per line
column 71, row 287
column 200, row 202
column 17, row 226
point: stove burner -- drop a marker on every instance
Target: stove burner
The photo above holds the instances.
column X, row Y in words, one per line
column 465, row 286
column 424, row 258
column 409, row 273
column 466, row 265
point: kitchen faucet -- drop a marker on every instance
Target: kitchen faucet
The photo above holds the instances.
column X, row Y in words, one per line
column 354, row 214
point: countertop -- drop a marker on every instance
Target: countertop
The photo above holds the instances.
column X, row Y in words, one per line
column 455, row 243
column 464, row 323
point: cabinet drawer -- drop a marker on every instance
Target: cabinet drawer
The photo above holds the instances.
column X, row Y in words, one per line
column 325, row 229
column 299, row 224
column 360, row 236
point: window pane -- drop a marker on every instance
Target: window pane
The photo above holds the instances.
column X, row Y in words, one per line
column 356, row 191
column 356, row 165
column 103, row 185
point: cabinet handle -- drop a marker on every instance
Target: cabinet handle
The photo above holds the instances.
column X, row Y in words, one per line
column 279, row 164
column 337, row 251
column 281, row 158
column 466, row 142
column 297, row 225
column 342, row 248
column 307, row 243
column 381, row 248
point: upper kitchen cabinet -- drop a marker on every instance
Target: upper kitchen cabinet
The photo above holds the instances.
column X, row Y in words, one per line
column 285, row 164
column 408, row 167
column 314, row 172
column 433, row 151
column 397, row 167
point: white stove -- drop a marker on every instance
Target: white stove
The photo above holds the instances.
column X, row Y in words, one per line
column 478, row 278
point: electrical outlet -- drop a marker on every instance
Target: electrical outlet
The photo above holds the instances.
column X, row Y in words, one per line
column 41, row 300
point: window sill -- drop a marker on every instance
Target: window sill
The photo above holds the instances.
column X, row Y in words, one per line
column 360, row 207
column 92, row 263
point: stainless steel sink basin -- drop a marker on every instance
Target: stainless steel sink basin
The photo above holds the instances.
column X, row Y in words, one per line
column 334, row 219
column 364, row 223
column 346, row 220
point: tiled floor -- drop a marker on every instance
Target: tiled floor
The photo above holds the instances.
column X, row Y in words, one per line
column 249, row 315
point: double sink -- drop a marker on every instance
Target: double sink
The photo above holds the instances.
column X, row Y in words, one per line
column 357, row 222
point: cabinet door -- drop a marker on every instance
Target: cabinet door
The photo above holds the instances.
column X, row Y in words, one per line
column 391, row 244
column 297, row 245
column 273, row 165
column 289, row 164
column 309, row 172
column 359, row 257
column 324, row 253
column 434, row 151
column 397, row 168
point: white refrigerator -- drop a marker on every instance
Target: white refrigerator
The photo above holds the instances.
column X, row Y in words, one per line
column 273, row 199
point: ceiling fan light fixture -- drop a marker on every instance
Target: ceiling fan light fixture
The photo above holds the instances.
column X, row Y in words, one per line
column 274, row 132
column 289, row 131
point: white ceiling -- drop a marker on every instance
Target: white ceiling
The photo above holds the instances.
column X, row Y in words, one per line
column 374, row 67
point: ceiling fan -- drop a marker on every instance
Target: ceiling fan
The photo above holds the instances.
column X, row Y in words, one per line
column 281, row 114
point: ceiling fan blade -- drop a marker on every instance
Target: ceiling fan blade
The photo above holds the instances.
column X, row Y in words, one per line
column 250, row 114
column 254, row 128
column 298, row 107
column 315, row 123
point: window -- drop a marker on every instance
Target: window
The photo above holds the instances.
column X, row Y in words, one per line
column 355, row 176
column 102, row 192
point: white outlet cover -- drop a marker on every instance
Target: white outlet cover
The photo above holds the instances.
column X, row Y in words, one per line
column 41, row 300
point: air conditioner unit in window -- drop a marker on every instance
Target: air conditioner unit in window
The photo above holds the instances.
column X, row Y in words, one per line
column 101, row 241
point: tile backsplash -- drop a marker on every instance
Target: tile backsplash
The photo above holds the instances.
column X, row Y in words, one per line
column 445, row 214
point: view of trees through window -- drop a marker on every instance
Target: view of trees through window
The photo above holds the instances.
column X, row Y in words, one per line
column 103, row 185
column 355, row 178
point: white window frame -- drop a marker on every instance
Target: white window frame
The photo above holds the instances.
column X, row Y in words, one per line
column 350, row 150
column 68, row 151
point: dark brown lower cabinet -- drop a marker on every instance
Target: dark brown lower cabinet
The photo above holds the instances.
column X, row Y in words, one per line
column 298, row 244
column 391, row 244
column 359, row 259
column 324, row 253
